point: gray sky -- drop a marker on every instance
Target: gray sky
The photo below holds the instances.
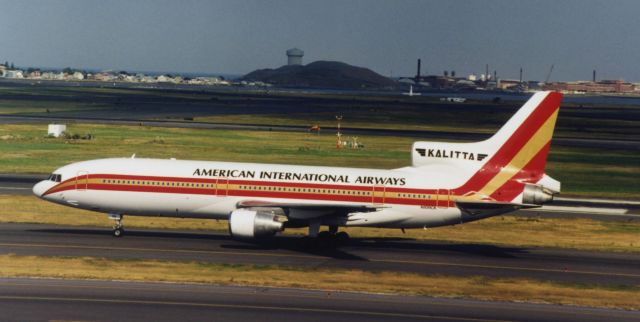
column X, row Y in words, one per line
column 387, row 36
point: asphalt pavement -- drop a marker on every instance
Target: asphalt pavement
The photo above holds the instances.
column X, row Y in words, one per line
column 82, row 300
column 368, row 254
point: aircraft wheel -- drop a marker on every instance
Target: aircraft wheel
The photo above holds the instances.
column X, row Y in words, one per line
column 118, row 232
column 325, row 235
column 342, row 237
column 323, row 240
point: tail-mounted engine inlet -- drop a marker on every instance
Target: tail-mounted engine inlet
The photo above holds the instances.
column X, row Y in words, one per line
column 536, row 195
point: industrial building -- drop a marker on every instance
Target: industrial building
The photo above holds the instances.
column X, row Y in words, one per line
column 605, row 86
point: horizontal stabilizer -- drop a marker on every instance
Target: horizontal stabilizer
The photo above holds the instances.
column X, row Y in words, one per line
column 474, row 210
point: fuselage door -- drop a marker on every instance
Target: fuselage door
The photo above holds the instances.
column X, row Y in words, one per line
column 82, row 180
column 443, row 198
column 377, row 195
column 222, row 187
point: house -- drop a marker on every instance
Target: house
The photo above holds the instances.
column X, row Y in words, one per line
column 47, row 75
column 14, row 73
column 164, row 79
column 78, row 76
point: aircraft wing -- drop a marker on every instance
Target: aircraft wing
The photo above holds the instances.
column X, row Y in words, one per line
column 309, row 210
column 308, row 206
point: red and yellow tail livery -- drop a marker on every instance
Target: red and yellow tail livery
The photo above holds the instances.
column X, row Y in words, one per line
column 522, row 153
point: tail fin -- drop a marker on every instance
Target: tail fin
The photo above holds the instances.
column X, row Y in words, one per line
column 519, row 154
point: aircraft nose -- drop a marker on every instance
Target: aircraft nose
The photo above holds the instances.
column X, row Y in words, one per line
column 40, row 188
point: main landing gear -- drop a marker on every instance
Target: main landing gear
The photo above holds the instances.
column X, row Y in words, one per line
column 118, row 228
column 330, row 238
column 338, row 238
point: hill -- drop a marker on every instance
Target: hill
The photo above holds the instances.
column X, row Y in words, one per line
column 322, row 74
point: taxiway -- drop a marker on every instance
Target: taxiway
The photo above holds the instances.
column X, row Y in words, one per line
column 76, row 300
column 371, row 254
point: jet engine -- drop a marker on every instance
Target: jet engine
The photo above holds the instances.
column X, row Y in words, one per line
column 255, row 223
column 536, row 195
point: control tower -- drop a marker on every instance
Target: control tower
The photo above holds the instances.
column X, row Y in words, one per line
column 294, row 56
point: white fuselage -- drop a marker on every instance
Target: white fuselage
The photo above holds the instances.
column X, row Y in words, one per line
column 201, row 189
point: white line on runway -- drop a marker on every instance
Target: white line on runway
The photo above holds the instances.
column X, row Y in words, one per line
column 590, row 210
column 608, row 201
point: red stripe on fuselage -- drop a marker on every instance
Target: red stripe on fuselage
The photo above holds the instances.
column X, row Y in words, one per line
column 223, row 189
column 243, row 182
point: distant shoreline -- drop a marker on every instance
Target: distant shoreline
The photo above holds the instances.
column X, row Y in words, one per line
column 484, row 95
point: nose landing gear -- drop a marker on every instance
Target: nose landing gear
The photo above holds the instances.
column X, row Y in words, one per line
column 118, row 228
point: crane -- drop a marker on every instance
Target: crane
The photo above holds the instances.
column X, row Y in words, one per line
column 549, row 74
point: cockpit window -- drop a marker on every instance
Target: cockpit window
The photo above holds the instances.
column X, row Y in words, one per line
column 55, row 177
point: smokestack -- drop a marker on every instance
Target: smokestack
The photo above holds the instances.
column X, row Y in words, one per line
column 520, row 74
column 487, row 72
column 419, row 68
column 495, row 75
column 594, row 75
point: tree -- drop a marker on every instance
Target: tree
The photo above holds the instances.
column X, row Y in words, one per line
column 12, row 66
column 453, row 73
column 6, row 64
column 446, row 73
column 67, row 70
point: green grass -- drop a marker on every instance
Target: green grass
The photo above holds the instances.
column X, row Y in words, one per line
column 614, row 174
column 23, row 148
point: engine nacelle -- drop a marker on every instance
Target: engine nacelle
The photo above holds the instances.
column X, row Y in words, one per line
column 254, row 223
column 536, row 195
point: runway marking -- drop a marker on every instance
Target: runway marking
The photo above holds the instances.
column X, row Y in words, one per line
column 15, row 188
column 609, row 201
column 587, row 210
column 161, row 250
column 548, row 270
column 240, row 306
column 209, row 291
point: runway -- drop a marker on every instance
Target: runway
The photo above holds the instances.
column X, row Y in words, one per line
column 76, row 300
column 399, row 255
column 18, row 184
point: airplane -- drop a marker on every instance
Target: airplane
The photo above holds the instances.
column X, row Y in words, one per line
column 446, row 184
column 411, row 92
